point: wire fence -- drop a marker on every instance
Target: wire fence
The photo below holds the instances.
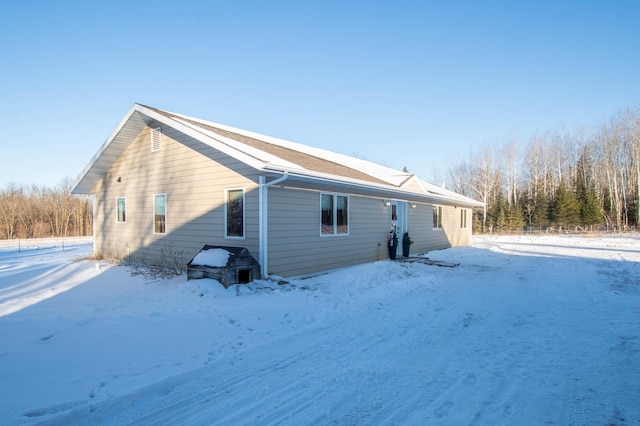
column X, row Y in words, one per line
column 25, row 244
column 560, row 231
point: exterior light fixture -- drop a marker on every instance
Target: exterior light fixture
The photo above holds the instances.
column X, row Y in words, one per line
column 387, row 202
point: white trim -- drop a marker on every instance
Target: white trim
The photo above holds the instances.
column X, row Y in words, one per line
column 203, row 136
column 93, row 225
column 104, row 147
column 165, row 214
column 387, row 174
column 392, row 191
column 438, row 226
column 226, row 218
column 402, row 217
column 265, row 162
column 334, row 213
column 263, row 221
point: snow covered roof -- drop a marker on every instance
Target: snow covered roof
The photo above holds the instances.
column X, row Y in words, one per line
column 264, row 153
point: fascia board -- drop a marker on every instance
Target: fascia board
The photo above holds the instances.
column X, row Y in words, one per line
column 201, row 135
column 81, row 185
column 372, row 169
column 260, row 157
column 390, row 191
column 102, row 149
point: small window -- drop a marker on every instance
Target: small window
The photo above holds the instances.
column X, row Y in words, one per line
column 156, row 139
column 326, row 212
column 234, row 213
column 160, row 214
column 334, row 214
column 121, row 209
column 437, row 217
column 463, row 218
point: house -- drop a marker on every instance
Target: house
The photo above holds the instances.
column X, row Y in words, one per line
column 165, row 185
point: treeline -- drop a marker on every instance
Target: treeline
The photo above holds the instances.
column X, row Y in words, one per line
column 560, row 179
column 39, row 211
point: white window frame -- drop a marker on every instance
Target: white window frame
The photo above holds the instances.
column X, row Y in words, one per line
column 118, row 210
column 334, row 213
column 165, row 214
column 156, row 139
column 437, row 213
column 226, row 213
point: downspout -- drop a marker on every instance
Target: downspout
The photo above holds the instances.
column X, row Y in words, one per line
column 263, row 220
column 93, row 225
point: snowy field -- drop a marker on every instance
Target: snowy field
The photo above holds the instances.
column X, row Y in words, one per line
column 527, row 331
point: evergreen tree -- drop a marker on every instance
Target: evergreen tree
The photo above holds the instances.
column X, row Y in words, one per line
column 477, row 222
column 590, row 213
column 528, row 207
column 565, row 210
column 498, row 214
column 515, row 219
column 541, row 210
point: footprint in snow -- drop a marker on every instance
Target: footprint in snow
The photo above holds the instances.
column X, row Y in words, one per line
column 443, row 410
column 47, row 337
column 470, row 380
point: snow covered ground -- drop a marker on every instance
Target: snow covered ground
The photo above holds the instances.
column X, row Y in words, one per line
column 527, row 330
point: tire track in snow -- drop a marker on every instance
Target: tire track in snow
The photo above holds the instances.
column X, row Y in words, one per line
column 286, row 380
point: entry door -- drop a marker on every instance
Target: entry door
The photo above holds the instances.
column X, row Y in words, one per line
column 399, row 217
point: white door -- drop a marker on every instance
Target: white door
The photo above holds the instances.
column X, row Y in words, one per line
column 399, row 217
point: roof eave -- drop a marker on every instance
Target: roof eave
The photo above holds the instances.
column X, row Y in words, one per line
column 94, row 171
column 80, row 186
column 386, row 190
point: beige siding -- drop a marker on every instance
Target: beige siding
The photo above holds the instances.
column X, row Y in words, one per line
column 426, row 238
column 194, row 177
column 456, row 235
column 296, row 246
column 414, row 186
column 420, row 226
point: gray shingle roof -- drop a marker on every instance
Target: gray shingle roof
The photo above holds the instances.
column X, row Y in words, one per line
column 308, row 161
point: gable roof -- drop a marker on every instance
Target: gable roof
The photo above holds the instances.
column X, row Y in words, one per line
column 266, row 154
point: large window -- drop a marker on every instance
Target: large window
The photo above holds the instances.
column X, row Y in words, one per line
column 121, row 210
column 463, row 218
column 437, row 217
column 234, row 213
column 334, row 214
column 160, row 214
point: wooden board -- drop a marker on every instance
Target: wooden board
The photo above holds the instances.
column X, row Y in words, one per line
column 428, row 261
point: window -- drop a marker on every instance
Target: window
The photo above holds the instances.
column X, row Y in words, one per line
column 334, row 214
column 121, row 210
column 160, row 214
column 234, row 214
column 156, row 139
column 437, row 217
column 463, row 218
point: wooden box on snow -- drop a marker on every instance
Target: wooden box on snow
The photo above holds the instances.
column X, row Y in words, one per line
column 240, row 266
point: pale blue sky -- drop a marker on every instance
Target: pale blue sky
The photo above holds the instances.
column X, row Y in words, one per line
column 401, row 83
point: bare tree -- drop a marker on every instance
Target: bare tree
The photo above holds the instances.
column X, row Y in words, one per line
column 525, row 178
column 35, row 212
